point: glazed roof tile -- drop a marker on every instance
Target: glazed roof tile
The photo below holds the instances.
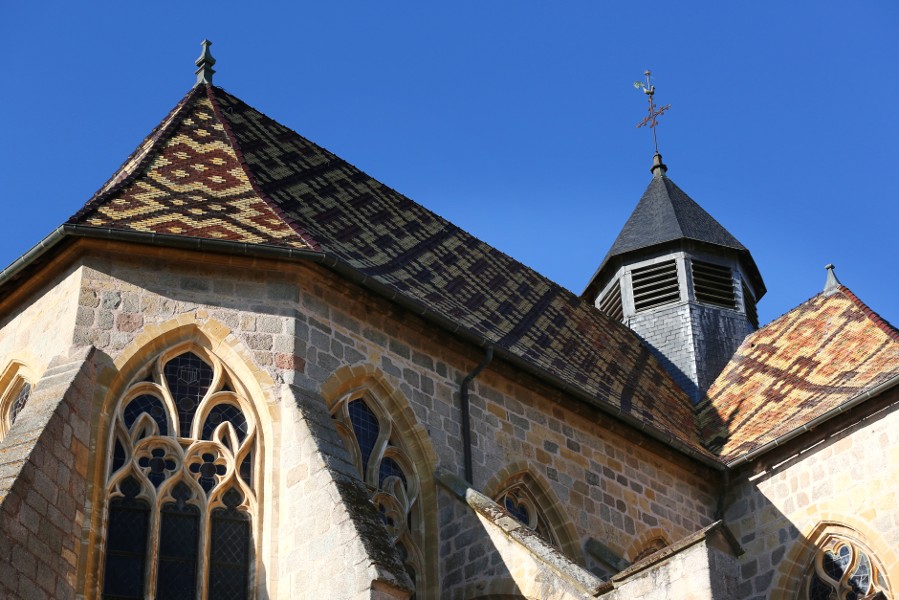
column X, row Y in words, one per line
column 816, row 357
column 217, row 168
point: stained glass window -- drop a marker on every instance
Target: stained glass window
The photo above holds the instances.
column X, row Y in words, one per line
column 522, row 504
column 13, row 400
column 180, row 483
column 387, row 470
column 188, row 379
column 19, row 403
column 843, row 570
column 230, row 550
column 126, row 543
column 366, row 428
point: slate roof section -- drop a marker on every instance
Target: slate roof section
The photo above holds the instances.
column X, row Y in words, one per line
column 816, row 357
column 327, row 205
column 666, row 214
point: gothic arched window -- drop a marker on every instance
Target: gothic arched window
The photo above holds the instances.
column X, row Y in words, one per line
column 843, row 570
column 388, row 472
column 521, row 503
column 13, row 399
column 181, row 486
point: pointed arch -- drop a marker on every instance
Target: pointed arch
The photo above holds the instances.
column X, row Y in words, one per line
column 16, row 381
column 527, row 487
column 182, row 447
column 848, row 540
column 395, row 458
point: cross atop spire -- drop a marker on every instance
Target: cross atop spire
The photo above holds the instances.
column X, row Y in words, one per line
column 204, row 64
column 652, row 120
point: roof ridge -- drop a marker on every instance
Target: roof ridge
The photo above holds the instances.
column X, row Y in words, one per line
column 141, row 156
column 241, row 159
column 882, row 323
column 666, row 185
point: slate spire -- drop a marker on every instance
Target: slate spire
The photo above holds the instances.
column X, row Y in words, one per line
column 680, row 280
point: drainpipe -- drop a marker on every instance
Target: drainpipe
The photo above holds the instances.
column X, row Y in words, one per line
column 466, row 416
column 722, row 498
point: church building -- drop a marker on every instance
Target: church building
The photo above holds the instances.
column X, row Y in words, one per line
column 246, row 369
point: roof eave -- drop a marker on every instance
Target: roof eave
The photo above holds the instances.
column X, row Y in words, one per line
column 821, row 419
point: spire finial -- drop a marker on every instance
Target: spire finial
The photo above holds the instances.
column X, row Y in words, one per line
column 832, row 283
column 652, row 119
column 205, row 62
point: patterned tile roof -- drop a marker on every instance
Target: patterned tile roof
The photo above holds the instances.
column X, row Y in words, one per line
column 812, row 359
column 187, row 179
column 217, row 168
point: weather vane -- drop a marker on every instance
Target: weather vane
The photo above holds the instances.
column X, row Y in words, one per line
column 654, row 113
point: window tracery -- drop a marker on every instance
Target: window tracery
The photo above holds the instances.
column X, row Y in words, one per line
column 518, row 500
column 180, row 492
column 388, row 472
column 13, row 400
column 843, row 570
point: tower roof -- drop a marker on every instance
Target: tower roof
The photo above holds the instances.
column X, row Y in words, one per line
column 666, row 214
column 217, row 169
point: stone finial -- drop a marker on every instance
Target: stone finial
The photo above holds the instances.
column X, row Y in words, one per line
column 205, row 62
column 658, row 167
column 832, row 282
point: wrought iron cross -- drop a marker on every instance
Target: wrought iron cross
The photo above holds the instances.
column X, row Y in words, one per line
column 654, row 113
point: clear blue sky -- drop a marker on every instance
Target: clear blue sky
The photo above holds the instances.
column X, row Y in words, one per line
column 516, row 120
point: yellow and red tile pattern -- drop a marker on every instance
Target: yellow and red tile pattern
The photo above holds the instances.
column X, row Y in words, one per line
column 812, row 359
column 189, row 181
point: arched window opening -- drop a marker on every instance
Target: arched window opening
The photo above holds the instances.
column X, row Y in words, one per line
column 521, row 503
column 12, row 401
column 844, row 570
column 180, row 490
column 385, row 467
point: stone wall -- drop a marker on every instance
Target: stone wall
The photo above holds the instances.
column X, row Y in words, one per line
column 299, row 325
column 42, row 327
column 43, row 471
column 846, row 483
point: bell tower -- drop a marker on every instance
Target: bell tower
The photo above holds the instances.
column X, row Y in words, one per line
column 678, row 278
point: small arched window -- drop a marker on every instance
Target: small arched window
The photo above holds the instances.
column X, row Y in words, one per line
column 521, row 503
column 13, row 399
column 843, row 569
column 388, row 472
column 182, row 485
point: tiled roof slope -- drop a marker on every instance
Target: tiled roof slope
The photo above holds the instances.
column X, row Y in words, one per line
column 333, row 207
column 186, row 179
column 812, row 359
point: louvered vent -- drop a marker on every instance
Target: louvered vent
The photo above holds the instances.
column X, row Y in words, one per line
column 655, row 285
column 611, row 302
column 751, row 313
column 713, row 284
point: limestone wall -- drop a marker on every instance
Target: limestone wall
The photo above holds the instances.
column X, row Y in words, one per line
column 301, row 326
column 846, row 484
column 43, row 469
column 43, row 326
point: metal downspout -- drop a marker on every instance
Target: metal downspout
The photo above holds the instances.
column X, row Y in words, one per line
column 466, row 412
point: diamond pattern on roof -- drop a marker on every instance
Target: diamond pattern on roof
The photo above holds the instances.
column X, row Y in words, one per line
column 191, row 183
column 812, row 359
